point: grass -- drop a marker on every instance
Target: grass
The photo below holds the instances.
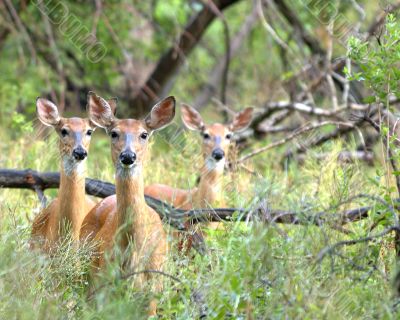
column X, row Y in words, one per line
column 252, row 271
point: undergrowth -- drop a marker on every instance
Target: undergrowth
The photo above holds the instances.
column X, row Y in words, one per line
column 256, row 269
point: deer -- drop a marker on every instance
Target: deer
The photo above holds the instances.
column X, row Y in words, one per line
column 124, row 223
column 216, row 141
column 65, row 214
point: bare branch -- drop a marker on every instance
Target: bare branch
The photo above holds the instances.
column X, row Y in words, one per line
column 31, row 179
column 328, row 250
column 294, row 135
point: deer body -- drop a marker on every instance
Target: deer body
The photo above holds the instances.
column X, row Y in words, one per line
column 123, row 225
column 208, row 193
column 70, row 207
column 128, row 212
column 216, row 142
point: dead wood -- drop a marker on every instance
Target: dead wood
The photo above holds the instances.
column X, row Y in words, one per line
column 33, row 180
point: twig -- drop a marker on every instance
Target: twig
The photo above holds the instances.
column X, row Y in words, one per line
column 96, row 17
column 56, row 55
column 227, row 38
column 209, row 89
column 327, row 137
column 292, row 18
column 389, row 150
column 222, row 106
column 269, row 28
column 292, row 136
column 327, row 250
column 329, row 79
column 373, row 28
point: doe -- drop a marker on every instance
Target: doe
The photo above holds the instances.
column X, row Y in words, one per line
column 123, row 222
column 217, row 138
column 70, row 207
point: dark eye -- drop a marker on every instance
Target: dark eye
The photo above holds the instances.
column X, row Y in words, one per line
column 228, row 136
column 144, row 135
column 64, row 132
column 89, row 132
column 206, row 136
column 114, row 135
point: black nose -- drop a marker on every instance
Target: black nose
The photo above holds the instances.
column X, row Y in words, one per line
column 218, row 154
column 79, row 153
column 127, row 157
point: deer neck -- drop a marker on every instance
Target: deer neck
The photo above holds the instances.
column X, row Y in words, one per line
column 131, row 205
column 72, row 199
column 209, row 189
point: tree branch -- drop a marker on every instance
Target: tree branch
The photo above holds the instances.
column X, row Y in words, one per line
column 295, row 134
column 30, row 179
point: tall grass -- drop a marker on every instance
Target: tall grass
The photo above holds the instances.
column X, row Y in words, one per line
column 253, row 270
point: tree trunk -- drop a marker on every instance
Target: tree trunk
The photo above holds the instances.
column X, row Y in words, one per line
column 157, row 85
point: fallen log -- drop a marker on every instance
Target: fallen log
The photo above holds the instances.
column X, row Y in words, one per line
column 34, row 180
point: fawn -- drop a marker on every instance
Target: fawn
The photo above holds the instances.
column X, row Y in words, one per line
column 70, row 207
column 217, row 139
column 124, row 221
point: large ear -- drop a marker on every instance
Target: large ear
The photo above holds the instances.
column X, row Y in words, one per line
column 191, row 118
column 99, row 110
column 47, row 112
column 242, row 120
column 161, row 114
column 113, row 102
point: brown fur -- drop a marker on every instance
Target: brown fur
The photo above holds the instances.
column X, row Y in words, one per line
column 124, row 221
column 208, row 192
column 71, row 205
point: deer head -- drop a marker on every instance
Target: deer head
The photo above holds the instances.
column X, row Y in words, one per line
column 217, row 137
column 74, row 133
column 129, row 137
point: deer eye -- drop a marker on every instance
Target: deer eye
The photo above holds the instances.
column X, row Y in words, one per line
column 114, row 134
column 206, row 136
column 64, row 132
column 89, row 132
column 228, row 136
column 144, row 135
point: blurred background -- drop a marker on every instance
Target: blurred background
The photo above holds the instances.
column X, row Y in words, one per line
column 233, row 52
column 311, row 69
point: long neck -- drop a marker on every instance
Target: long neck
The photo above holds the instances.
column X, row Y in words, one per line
column 131, row 204
column 209, row 190
column 72, row 203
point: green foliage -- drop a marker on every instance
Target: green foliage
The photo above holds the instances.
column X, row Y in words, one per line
column 255, row 268
column 252, row 268
column 379, row 69
column 379, row 63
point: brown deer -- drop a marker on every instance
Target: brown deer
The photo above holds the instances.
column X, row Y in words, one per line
column 70, row 207
column 124, row 222
column 217, row 138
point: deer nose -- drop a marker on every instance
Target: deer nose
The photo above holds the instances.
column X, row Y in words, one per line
column 218, row 154
column 127, row 157
column 79, row 153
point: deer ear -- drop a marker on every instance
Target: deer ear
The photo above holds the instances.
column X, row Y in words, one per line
column 191, row 118
column 47, row 112
column 161, row 114
column 99, row 110
column 242, row 120
column 113, row 102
